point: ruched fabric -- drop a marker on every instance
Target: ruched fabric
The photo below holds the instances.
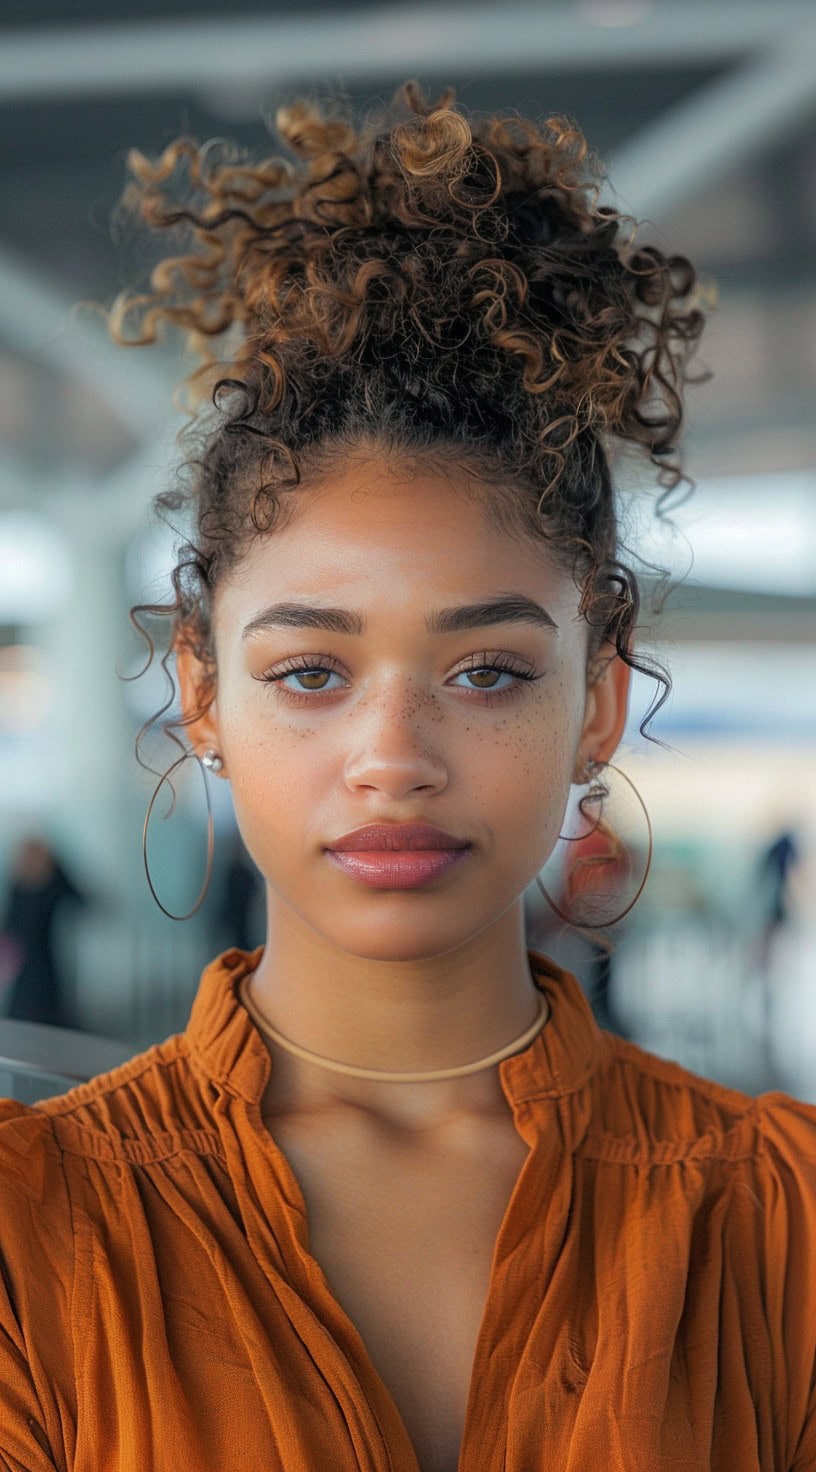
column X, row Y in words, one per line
column 652, row 1301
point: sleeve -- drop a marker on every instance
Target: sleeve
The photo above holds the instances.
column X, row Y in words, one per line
column 33, row 1292
column 788, row 1135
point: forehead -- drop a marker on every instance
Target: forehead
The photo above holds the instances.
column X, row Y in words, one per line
column 382, row 532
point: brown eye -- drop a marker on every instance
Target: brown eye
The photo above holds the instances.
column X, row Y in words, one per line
column 310, row 677
column 483, row 678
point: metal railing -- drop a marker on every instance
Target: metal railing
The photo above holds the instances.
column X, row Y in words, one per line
column 38, row 1061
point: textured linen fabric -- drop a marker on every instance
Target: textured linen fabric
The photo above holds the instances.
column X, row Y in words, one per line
column 652, row 1302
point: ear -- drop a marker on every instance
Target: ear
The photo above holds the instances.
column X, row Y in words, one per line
column 605, row 711
column 198, row 705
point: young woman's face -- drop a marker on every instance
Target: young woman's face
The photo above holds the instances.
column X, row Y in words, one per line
column 396, row 710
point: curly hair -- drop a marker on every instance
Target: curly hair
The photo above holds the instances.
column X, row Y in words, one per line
column 429, row 284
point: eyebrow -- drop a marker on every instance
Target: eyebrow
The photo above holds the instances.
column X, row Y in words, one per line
column 504, row 608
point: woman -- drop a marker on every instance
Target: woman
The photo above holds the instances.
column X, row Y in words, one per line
column 393, row 1200
column 40, row 886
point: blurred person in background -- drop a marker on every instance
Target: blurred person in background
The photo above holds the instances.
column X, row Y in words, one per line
column 39, row 887
column 775, row 869
column 393, row 1199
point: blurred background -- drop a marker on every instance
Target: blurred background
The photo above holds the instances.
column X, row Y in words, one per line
column 705, row 116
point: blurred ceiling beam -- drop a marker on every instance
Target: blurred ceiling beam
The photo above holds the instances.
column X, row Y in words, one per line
column 676, row 157
column 702, row 614
column 44, row 325
column 456, row 39
column 718, row 128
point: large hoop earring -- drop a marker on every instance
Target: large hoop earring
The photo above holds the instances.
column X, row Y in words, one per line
column 212, row 761
column 606, row 924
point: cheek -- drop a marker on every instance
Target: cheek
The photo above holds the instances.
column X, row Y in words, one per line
column 526, row 765
column 275, row 772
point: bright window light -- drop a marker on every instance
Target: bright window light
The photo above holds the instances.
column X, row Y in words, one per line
column 755, row 533
column 727, row 689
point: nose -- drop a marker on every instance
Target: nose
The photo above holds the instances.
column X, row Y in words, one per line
column 391, row 750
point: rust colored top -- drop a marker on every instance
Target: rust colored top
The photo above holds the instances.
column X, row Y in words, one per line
column 652, row 1300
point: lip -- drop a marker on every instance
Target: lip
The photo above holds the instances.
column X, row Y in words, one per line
column 397, row 868
column 385, row 838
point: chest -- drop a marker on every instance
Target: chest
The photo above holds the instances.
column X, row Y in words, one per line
column 404, row 1233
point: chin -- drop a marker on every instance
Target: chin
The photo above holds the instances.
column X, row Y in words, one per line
column 406, row 939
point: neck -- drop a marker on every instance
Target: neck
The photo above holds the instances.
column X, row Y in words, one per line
column 413, row 1015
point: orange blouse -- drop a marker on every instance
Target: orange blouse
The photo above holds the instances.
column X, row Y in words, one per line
column 652, row 1299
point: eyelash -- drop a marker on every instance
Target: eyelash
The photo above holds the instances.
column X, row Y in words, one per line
column 318, row 663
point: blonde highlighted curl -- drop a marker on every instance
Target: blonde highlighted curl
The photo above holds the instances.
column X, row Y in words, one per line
column 428, row 284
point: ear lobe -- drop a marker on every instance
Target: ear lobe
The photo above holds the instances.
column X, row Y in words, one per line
column 197, row 698
column 606, row 709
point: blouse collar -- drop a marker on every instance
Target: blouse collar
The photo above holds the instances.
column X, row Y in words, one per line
column 226, row 1047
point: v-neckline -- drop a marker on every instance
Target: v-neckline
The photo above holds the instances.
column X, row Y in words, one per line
column 537, row 1083
column 398, row 1447
column 396, row 1440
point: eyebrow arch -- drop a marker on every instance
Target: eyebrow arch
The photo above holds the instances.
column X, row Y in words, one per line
column 504, row 608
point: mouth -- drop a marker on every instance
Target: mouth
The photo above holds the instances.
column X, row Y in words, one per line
column 397, row 868
column 397, row 838
column 397, row 855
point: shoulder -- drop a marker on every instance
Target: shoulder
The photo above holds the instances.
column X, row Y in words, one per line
column 663, row 1112
column 37, row 1271
column 787, row 1127
column 745, row 1165
column 718, row 1188
column 68, row 1173
column 142, row 1110
column 37, row 1248
column 30, row 1164
column 785, row 1174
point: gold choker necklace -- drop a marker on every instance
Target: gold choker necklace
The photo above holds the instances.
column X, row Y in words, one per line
column 381, row 1075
